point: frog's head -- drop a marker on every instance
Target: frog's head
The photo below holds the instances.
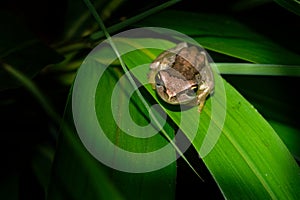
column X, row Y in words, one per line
column 173, row 87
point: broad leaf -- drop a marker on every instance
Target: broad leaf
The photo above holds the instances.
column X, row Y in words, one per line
column 92, row 98
column 248, row 158
column 223, row 34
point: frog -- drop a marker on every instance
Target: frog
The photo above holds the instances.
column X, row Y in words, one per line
column 182, row 75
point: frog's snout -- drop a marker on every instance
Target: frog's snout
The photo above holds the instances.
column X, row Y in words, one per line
column 170, row 94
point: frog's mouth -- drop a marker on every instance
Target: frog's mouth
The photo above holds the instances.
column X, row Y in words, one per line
column 185, row 97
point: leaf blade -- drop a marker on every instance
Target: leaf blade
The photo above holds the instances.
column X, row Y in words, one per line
column 225, row 35
column 252, row 166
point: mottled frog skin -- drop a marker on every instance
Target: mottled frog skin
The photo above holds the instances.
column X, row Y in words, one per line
column 182, row 75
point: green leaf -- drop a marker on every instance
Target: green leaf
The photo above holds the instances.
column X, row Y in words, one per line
column 41, row 164
column 273, row 96
column 78, row 20
column 133, row 19
column 248, row 158
column 22, row 50
column 258, row 69
column 223, row 34
column 289, row 135
column 291, row 5
column 90, row 178
column 75, row 174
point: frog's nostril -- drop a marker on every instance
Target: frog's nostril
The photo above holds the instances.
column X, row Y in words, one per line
column 171, row 94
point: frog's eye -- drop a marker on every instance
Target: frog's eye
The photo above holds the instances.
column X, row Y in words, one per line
column 158, row 81
column 192, row 91
column 194, row 88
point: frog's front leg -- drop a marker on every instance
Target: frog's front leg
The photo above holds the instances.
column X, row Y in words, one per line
column 202, row 97
column 151, row 78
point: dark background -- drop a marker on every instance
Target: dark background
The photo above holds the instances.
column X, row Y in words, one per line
column 25, row 126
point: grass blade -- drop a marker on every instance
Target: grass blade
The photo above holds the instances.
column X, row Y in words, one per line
column 291, row 5
column 258, row 69
column 155, row 120
column 249, row 158
column 133, row 19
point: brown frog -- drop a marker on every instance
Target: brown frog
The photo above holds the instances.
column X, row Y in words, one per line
column 182, row 75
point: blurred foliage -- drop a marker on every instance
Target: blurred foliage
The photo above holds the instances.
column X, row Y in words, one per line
column 46, row 41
